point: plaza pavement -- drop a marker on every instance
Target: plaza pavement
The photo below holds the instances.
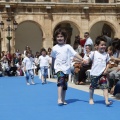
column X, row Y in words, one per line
column 84, row 88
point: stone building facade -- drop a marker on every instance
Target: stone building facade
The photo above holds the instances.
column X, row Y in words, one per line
column 38, row 19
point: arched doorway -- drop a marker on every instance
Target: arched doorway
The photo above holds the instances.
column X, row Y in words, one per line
column 29, row 34
column 71, row 29
column 98, row 28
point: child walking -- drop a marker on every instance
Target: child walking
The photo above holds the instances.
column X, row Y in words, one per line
column 61, row 54
column 44, row 61
column 28, row 68
column 100, row 60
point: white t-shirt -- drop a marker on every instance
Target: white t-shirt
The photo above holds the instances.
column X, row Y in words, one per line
column 99, row 62
column 19, row 66
column 50, row 60
column 88, row 42
column 44, row 60
column 86, row 56
column 62, row 55
column 28, row 62
column 79, row 49
column 36, row 60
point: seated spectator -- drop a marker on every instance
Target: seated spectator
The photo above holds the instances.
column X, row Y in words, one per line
column 114, row 77
column 14, row 59
column 82, row 73
column 112, row 63
column 114, row 53
column 4, row 64
column 20, row 57
column 116, row 90
column 11, row 71
column 19, row 71
column 2, row 54
column 9, row 56
column 17, row 52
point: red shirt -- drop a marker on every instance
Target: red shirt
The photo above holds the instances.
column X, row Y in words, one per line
column 82, row 42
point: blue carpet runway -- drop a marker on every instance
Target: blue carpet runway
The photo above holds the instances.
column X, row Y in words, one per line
column 39, row 102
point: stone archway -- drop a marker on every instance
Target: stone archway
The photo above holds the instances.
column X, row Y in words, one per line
column 70, row 28
column 28, row 33
column 99, row 27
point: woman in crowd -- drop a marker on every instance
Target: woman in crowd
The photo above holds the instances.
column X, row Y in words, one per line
column 82, row 73
column 19, row 71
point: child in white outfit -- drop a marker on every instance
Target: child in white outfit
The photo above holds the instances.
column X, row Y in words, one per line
column 28, row 67
column 44, row 64
column 61, row 53
column 100, row 60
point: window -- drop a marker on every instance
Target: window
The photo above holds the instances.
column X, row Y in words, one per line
column 102, row 1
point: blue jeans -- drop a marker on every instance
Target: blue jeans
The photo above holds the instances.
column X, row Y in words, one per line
column 29, row 73
column 44, row 71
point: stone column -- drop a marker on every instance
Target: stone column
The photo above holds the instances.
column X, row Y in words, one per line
column 12, row 42
column 111, row 1
column 4, row 34
column 92, row 1
column 76, row 1
column 48, row 41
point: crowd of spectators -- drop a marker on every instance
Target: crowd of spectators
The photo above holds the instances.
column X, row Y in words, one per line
column 12, row 64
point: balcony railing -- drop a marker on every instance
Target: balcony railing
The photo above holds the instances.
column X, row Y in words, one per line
column 65, row 1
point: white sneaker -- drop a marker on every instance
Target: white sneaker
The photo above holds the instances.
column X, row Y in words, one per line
column 32, row 83
column 28, row 83
column 65, row 103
